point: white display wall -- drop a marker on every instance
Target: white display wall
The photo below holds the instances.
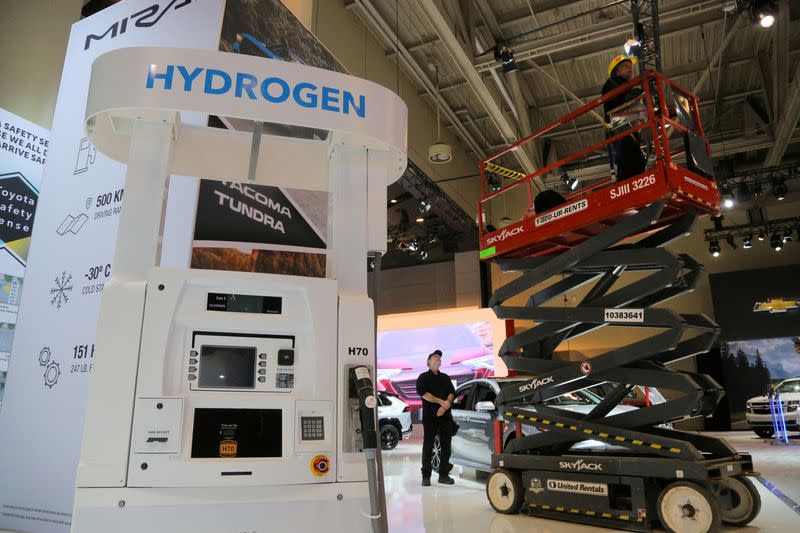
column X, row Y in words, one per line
column 70, row 260
column 23, row 152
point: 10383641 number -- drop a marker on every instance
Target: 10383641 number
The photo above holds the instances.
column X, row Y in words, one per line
column 623, row 315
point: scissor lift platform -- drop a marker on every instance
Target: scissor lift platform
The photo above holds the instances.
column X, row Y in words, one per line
column 645, row 472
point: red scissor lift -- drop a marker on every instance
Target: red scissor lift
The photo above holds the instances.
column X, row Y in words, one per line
column 638, row 471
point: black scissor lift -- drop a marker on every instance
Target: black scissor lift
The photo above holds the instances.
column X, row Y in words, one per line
column 647, row 473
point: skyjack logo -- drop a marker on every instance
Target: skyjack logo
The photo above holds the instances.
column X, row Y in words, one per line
column 147, row 17
column 505, row 234
column 535, row 384
column 579, row 465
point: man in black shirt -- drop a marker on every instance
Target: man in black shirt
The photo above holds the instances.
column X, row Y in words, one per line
column 628, row 157
column 437, row 393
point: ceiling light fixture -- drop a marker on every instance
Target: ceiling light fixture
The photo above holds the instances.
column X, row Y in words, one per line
column 787, row 236
column 631, row 47
column 779, row 189
column 731, row 242
column 762, row 234
column 571, row 182
column 728, row 200
column 714, row 249
column 420, row 219
column 764, row 12
column 423, row 255
column 424, row 206
column 439, row 152
column 776, row 241
column 747, row 243
column 393, row 201
column 413, row 246
column 506, row 58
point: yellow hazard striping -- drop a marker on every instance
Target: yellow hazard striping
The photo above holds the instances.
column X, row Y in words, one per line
column 588, row 431
column 585, row 512
column 503, row 171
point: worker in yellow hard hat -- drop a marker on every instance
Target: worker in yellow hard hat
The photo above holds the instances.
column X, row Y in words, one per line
column 626, row 153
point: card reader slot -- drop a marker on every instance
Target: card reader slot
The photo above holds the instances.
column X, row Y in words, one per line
column 157, row 439
column 236, row 473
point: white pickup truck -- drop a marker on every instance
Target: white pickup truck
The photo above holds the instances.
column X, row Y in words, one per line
column 758, row 413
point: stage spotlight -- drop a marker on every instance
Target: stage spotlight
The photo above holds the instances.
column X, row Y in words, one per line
column 764, row 12
column 494, row 182
column 776, row 241
column 506, row 58
column 423, row 255
column 779, row 189
column 632, row 47
column 413, row 246
column 424, row 206
column 714, row 249
column 570, row 182
column 728, row 200
column 731, row 242
column 747, row 243
column 762, row 234
column 756, row 189
column 787, row 236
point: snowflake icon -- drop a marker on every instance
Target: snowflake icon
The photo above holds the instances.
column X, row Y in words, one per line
column 60, row 293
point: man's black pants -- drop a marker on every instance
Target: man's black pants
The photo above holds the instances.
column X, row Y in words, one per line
column 441, row 426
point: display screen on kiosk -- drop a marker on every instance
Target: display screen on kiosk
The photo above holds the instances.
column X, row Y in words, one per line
column 244, row 303
column 227, row 367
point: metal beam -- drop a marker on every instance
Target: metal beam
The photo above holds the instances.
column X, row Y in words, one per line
column 464, row 63
column 526, row 127
column 787, row 123
column 489, row 18
column 718, row 55
column 386, row 35
column 683, row 14
column 780, row 58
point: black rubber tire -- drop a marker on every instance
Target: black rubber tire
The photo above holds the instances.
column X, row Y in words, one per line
column 390, row 437
column 746, row 501
column 764, row 433
column 504, row 491
column 700, row 491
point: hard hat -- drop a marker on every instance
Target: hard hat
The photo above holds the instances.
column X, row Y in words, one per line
column 617, row 60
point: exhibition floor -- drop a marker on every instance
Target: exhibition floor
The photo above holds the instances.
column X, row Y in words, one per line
column 463, row 508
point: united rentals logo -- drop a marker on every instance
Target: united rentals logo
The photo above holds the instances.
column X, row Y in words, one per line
column 505, row 234
column 579, row 465
column 147, row 17
column 777, row 305
column 535, row 384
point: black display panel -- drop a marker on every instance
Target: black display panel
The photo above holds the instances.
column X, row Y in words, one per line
column 227, row 367
column 244, row 303
column 229, row 433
